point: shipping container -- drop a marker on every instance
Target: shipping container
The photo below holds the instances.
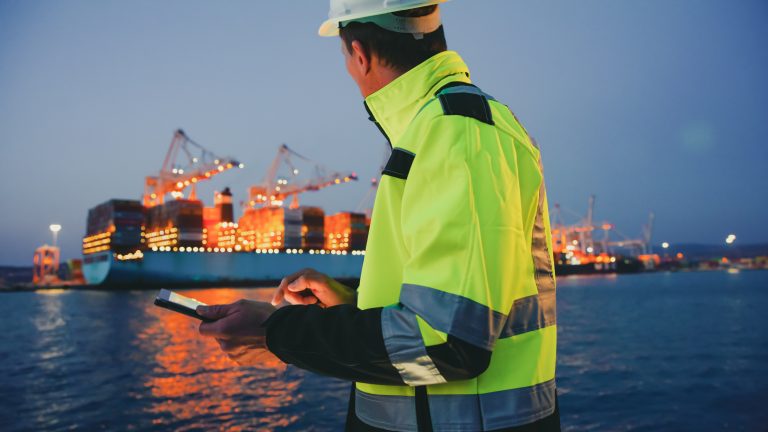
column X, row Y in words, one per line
column 114, row 225
column 279, row 228
column 177, row 223
column 346, row 231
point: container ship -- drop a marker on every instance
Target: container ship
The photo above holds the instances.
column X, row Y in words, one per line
column 591, row 247
column 171, row 238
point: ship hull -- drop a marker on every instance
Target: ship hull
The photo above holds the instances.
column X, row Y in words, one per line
column 210, row 269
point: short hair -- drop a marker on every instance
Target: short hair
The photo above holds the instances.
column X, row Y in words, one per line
column 400, row 51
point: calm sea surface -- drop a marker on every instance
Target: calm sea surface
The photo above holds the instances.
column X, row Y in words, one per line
column 652, row 352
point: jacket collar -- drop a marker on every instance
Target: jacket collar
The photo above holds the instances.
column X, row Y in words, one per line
column 394, row 106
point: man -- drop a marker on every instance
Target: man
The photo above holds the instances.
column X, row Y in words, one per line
column 453, row 325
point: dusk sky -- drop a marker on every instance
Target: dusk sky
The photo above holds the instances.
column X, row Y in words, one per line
column 655, row 105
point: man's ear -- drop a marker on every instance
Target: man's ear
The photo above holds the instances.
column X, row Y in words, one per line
column 361, row 58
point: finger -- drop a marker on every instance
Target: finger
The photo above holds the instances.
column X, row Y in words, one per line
column 292, row 277
column 215, row 312
column 280, row 292
column 278, row 297
column 301, row 283
column 298, row 299
column 293, row 290
column 211, row 329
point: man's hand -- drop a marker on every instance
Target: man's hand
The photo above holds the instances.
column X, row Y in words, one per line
column 309, row 286
column 237, row 327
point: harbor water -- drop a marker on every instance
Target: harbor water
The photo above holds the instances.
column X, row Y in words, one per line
column 646, row 352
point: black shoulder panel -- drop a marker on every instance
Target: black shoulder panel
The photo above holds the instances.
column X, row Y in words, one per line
column 399, row 163
column 472, row 105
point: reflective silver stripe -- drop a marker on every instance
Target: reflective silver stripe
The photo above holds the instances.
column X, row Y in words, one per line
column 396, row 413
column 458, row 316
column 542, row 256
column 528, row 405
column 406, row 349
column 530, row 313
column 540, row 310
column 489, row 411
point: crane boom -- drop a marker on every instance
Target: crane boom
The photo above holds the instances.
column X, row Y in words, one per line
column 273, row 190
column 185, row 164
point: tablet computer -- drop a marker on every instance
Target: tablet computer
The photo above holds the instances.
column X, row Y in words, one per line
column 178, row 303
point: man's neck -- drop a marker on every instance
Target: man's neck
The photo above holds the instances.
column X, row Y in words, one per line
column 379, row 79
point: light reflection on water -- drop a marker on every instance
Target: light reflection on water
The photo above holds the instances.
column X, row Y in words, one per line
column 651, row 352
column 105, row 360
column 193, row 378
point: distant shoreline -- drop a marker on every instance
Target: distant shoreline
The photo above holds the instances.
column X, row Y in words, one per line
column 28, row 287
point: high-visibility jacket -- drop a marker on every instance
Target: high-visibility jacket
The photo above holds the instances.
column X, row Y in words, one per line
column 459, row 245
column 456, row 304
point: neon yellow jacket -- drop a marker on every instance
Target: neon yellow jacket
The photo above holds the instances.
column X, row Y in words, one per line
column 459, row 246
column 455, row 321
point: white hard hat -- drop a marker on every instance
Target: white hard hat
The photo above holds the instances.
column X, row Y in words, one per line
column 352, row 10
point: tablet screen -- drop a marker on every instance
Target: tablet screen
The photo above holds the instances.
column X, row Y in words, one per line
column 179, row 299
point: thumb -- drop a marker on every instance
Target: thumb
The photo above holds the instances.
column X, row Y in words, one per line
column 213, row 312
column 299, row 285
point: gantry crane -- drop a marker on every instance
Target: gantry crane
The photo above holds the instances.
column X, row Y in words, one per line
column 274, row 190
column 577, row 236
column 186, row 163
column 640, row 245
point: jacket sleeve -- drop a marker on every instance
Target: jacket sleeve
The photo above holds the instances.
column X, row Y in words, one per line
column 341, row 341
column 345, row 342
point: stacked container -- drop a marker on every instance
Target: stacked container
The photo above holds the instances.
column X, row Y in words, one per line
column 116, row 223
column 262, row 228
column 279, row 228
column 346, row 231
column 292, row 219
column 184, row 217
column 211, row 220
column 313, row 227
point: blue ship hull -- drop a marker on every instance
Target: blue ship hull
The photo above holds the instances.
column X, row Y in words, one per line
column 206, row 269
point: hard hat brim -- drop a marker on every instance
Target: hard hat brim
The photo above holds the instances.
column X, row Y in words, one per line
column 331, row 27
